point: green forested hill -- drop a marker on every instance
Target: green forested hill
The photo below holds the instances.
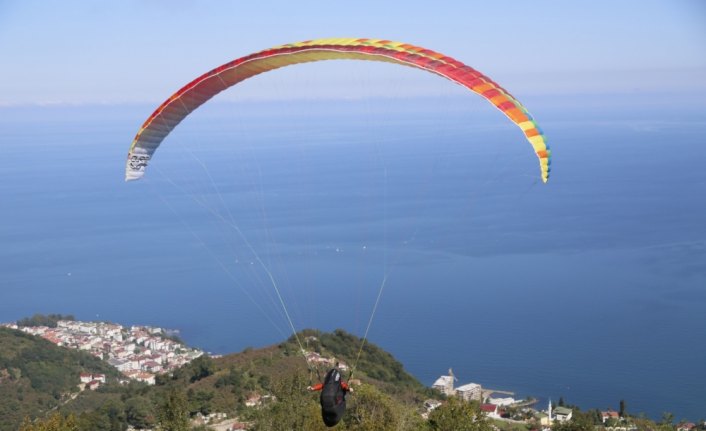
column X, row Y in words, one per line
column 375, row 365
column 36, row 375
column 39, row 380
column 41, row 372
column 226, row 382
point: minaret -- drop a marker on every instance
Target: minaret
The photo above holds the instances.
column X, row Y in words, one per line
column 549, row 410
column 451, row 387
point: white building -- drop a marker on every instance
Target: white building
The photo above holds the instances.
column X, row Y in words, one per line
column 444, row 384
column 87, row 328
column 502, row 401
column 253, row 400
column 146, row 378
column 155, row 344
column 562, row 414
column 121, row 364
column 113, row 331
column 609, row 414
column 470, row 391
column 151, row 366
column 491, row 410
column 86, row 377
column 68, row 324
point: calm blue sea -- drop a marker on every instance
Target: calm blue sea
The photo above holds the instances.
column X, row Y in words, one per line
column 592, row 287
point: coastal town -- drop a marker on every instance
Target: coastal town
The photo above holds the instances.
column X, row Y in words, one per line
column 141, row 353
column 138, row 352
column 511, row 411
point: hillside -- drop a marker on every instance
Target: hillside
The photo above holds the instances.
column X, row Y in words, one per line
column 36, row 375
column 209, row 385
column 254, row 370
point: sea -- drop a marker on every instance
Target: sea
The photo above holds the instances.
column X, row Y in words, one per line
column 421, row 222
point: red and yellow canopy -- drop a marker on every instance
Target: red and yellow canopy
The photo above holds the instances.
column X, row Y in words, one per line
column 197, row 92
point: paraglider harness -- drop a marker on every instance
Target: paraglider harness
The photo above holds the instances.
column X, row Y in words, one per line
column 333, row 397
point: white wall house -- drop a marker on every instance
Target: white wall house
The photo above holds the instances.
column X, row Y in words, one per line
column 86, row 377
column 491, row 410
column 562, row 414
column 470, row 391
column 121, row 364
column 444, row 384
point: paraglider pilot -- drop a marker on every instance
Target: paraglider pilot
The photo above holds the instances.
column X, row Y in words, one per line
column 333, row 397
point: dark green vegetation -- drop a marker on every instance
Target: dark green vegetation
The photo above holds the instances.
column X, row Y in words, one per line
column 375, row 365
column 36, row 375
column 49, row 320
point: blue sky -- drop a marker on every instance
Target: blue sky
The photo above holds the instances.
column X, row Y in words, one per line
column 84, row 52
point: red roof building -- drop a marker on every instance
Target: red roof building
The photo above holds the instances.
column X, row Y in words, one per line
column 490, row 409
column 610, row 414
column 686, row 426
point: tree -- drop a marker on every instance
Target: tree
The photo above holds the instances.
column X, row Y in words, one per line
column 372, row 410
column 667, row 418
column 201, row 367
column 458, row 415
column 612, row 422
column 94, row 421
column 595, row 416
column 114, row 412
column 264, row 381
column 55, row 422
column 44, row 320
column 644, row 424
column 294, row 408
column 199, row 401
column 138, row 412
column 561, row 401
column 622, row 408
column 173, row 413
column 572, row 425
column 667, row 422
column 233, row 378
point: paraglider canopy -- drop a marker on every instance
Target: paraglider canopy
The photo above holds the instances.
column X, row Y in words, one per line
column 197, row 92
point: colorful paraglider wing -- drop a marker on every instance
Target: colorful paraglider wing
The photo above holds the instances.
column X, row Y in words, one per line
column 200, row 90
